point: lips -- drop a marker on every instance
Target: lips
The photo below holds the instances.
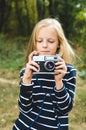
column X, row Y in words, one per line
column 45, row 51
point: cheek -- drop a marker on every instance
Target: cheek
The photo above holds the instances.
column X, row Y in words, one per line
column 37, row 47
column 54, row 50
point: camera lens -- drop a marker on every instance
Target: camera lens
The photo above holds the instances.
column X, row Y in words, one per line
column 49, row 65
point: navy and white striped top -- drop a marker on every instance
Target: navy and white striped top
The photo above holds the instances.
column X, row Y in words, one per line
column 41, row 106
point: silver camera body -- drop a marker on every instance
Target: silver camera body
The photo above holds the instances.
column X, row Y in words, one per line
column 46, row 63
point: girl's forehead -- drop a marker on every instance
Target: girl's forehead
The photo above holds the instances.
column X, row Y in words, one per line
column 46, row 28
column 47, row 33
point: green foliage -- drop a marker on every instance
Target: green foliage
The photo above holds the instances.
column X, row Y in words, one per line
column 21, row 16
column 32, row 11
column 12, row 52
column 82, row 74
column 81, row 65
column 80, row 27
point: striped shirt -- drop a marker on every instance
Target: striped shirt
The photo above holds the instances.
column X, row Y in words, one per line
column 41, row 106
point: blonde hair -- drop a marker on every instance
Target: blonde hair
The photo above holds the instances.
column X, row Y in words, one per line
column 65, row 49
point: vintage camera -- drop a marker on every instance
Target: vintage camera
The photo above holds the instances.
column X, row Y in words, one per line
column 46, row 63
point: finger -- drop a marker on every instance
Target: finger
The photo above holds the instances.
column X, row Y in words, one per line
column 57, row 65
column 60, row 72
column 60, row 60
column 31, row 67
column 31, row 55
column 62, row 66
column 33, row 63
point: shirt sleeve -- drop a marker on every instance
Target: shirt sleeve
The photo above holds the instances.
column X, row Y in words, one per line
column 65, row 96
column 25, row 96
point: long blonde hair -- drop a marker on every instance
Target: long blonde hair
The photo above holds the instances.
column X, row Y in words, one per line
column 65, row 49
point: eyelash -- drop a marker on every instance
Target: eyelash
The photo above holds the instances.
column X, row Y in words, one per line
column 39, row 41
column 48, row 41
column 51, row 41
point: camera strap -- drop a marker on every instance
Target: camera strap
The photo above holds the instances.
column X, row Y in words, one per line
column 56, row 112
column 54, row 107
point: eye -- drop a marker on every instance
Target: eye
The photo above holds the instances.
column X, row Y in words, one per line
column 39, row 41
column 51, row 41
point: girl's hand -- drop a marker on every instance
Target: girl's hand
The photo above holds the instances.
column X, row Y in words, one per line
column 30, row 67
column 60, row 69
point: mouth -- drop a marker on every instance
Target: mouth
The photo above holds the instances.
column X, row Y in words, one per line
column 45, row 51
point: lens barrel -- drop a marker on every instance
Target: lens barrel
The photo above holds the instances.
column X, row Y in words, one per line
column 49, row 65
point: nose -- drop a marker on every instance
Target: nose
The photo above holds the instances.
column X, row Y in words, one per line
column 44, row 44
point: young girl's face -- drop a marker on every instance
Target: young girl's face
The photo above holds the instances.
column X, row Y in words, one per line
column 46, row 41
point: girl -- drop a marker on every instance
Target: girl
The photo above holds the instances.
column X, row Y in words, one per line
column 46, row 99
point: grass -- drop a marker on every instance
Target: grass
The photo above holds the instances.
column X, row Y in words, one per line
column 9, row 108
column 8, row 105
column 78, row 114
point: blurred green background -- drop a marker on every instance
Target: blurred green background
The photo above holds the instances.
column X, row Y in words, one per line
column 17, row 19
